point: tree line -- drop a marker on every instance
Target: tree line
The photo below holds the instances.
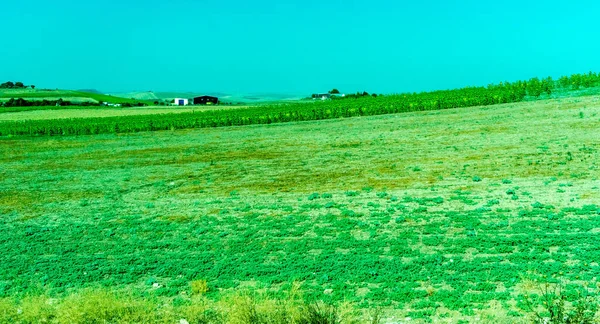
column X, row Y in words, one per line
column 20, row 102
column 15, row 85
column 336, row 94
column 534, row 87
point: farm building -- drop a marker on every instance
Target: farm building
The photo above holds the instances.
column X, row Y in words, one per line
column 206, row 100
column 325, row 96
column 322, row 96
column 180, row 102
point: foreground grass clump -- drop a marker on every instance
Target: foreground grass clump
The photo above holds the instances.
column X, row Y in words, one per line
column 84, row 307
column 557, row 303
column 102, row 306
column 553, row 303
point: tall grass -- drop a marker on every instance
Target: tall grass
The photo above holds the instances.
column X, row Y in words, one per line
column 104, row 306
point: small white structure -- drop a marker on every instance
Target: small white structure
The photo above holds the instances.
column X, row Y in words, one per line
column 110, row 104
column 180, row 102
column 325, row 96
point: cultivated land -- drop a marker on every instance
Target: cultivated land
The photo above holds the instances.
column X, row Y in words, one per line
column 104, row 112
column 442, row 215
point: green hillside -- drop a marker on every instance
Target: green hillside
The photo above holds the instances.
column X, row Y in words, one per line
column 145, row 95
column 245, row 98
column 72, row 95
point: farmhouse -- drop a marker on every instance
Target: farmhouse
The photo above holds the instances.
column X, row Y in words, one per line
column 325, row 96
column 180, row 102
column 104, row 103
column 206, row 100
column 322, row 96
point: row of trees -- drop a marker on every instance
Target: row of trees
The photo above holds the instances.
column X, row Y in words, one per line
column 536, row 87
column 20, row 102
column 358, row 95
column 577, row 81
column 14, row 85
column 337, row 95
column 533, row 87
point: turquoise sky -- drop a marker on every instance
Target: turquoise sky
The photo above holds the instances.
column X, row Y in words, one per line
column 295, row 47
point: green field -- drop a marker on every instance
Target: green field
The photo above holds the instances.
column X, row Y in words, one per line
column 83, row 112
column 280, row 112
column 438, row 216
column 65, row 122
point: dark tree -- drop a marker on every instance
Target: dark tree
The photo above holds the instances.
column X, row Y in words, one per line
column 32, row 86
column 334, row 91
column 7, row 85
column 19, row 85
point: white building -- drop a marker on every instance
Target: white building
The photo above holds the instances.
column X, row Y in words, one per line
column 325, row 96
column 180, row 102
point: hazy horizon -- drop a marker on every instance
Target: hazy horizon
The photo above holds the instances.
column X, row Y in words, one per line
column 295, row 47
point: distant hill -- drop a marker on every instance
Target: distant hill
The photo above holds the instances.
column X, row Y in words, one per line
column 171, row 95
column 146, row 95
column 71, row 95
column 149, row 97
column 90, row 91
column 228, row 97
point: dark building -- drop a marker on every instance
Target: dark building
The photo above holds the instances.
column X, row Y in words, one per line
column 205, row 100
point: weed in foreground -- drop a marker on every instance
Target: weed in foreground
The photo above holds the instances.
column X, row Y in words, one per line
column 555, row 305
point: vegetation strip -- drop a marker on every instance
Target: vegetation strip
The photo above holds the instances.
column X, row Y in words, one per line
column 365, row 106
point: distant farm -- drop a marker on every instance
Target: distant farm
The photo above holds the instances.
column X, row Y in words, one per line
column 349, row 106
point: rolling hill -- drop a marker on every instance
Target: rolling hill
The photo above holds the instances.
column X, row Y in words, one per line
column 71, row 95
column 245, row 98
column 149, row 97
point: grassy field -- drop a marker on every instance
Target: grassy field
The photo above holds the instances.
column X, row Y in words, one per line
column 87, row 112
column 441, row 216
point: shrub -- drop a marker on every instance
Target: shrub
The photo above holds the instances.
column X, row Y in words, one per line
column 351, row 193
column 320, row 313
column 199, row 287
column 492, row 202
column 553, row 305
column 103, row 307
column 314, row 196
